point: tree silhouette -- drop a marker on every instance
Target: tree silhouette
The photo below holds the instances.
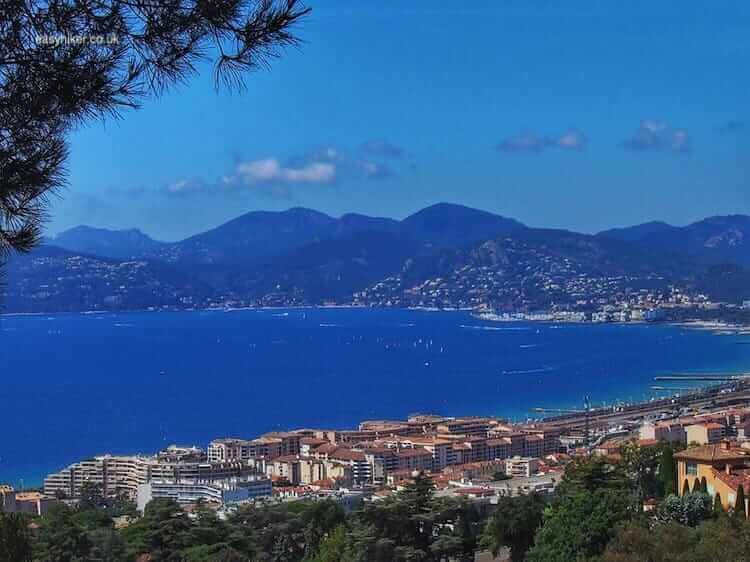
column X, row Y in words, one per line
column 739, row 504
column 14, row 538
column 718, row 506
column 64, row 62
column 514, row 525
column 668, row 471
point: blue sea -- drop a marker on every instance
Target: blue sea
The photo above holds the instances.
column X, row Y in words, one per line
column 78, row 385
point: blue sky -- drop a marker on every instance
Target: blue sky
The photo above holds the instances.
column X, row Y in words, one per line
column 580, row 115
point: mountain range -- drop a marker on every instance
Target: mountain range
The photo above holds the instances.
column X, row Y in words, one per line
column 443, row 255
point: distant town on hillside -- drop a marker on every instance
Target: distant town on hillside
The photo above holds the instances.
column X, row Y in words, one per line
column 444, row 256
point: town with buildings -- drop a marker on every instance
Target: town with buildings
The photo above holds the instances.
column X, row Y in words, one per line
column 478, row 458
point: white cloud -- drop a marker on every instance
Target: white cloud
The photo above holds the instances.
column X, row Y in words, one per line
column 185, row 186
column 374, row 170
column 270, row 170
column 658, row 135
column 572, row 139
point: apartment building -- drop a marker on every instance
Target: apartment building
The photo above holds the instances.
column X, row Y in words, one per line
column 285, row 468
column 517, row 444
column 417, row 459
column 309, row 470
column 315, row 470
column 192, row 492
column 177, row 453
column 361, row 469
column 475, row 470
column 268, row 446
column 534, row 446
column 117, row 475
column 228, row 449
column 706, row 433
column 385, row 428
column 466, row 426
column 440, row 448
column 499, row 448
column 671, row 431
column 519, row 467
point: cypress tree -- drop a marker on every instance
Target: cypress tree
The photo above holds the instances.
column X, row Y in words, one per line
column 686, row 487
column 717, row 503
column 739, row 504
column 704, row 485
column 668, row 472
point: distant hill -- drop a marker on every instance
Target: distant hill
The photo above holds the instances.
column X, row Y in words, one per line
column 529, row 269
column 331, row 269
column 120, row 244
column 52, row 279
column 713, row 240
column 260, row 234
column 446, row 225
column 444, row 256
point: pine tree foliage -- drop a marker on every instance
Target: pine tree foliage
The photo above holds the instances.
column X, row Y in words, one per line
column 64, row 62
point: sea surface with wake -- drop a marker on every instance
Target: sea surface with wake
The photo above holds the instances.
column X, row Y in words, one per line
column 78, row 385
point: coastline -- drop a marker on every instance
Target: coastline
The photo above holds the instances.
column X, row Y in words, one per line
column 621, row 390
column 541, row 317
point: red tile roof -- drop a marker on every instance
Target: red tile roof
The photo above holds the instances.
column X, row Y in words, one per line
column 714, row 453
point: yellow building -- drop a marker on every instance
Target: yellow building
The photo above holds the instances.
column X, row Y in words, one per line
column 705, row 433
column 725, row 467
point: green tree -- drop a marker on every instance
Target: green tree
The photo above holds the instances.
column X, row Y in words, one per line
column 594, row 473
column 637, row 541
column 162, row 532
column 332, row 548
column 688, row 510
column 579, row 525
column 214, row 553
column 92, row 496
column 594, row 496
column 739, row 504
column 61, row 537
column 48, row 89
column 718, row 506
column 15, row 542
column 414, row 525
column 642, row 465
column 685, row 487
column 106, row 545
column 704, row 485
column 668, row 472
column 514, row 524
column 723, row 539
column 318, row 520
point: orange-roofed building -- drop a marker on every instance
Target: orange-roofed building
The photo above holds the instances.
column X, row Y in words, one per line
column 711, row 462
column 706, row 433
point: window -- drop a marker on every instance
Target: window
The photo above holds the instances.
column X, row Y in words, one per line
column 691, row 469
